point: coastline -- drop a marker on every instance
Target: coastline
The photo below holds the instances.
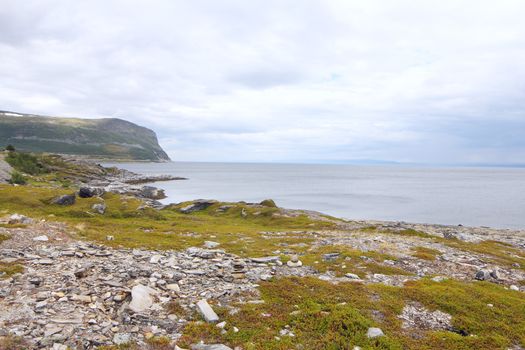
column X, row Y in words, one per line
column 89, row 260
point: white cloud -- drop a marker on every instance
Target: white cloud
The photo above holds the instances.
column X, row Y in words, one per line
column 279, row 80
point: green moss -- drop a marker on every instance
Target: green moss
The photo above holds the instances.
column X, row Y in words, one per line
column 327, row 316
column 350, row 261
column 17, row 178
column 164, row 229
column 269, row 203
column 11, row 342
column 425, row 253
column 497, row 252
column 175, row 308
column 321, row 315
column 9, row 269
column 4, row 237
column 497, row 327
column 409, row 233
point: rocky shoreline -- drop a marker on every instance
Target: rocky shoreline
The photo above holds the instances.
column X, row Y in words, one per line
column 80, row 295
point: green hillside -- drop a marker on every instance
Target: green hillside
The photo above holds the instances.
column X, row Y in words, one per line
column 108, row 138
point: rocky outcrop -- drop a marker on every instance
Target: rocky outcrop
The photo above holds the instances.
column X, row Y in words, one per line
column 197, row 205
column 5, row 170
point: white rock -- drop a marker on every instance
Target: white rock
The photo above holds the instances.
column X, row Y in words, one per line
column 141, row 298
column 297, row 263
column 19, row 219
column 206, row 311
column 514, row 287
column 211, row 244
column 44, row 262
column 210, row 347
column 439, row 278
column 121, row 338
column 221, row 325
column 374, row 332
column 155, row 259
column 174, row 287
column 42, row 238
column 352, row 276
column 99, row 208
column 57, row 346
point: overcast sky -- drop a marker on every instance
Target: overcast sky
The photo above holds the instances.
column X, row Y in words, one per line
column 301, row 81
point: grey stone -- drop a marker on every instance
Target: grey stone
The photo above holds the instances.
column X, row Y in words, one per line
column 99, row 208
column 67, row 199
column 211, row 244
column 331, row 256
column 45, row 262
column 495, row 274
column 42, row 238
column 121, row 338
column 19, row 219
column 151, row 192
column 352, row 276
column 197, row 205
column 88, row 192
column 206, row 311
column 482, row 275
column 265, row 260
column 374, row 332
column 294, row 261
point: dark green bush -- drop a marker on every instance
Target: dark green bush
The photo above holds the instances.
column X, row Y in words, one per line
column 25, row 162
column 17, row 178
column 268, row 203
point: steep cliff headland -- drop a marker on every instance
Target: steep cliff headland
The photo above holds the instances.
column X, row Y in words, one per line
column 107, row 138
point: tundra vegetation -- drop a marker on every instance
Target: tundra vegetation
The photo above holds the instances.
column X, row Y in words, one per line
column 321, row 314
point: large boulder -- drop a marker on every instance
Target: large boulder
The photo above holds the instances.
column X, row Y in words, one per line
column 198, row 205
column 67, row 199
column 88, row 192
column 151, row 192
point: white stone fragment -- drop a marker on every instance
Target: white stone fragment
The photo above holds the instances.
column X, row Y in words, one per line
column 206, row 311
column 141, row 298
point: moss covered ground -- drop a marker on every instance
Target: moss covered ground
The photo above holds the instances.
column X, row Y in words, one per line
column 322, row 315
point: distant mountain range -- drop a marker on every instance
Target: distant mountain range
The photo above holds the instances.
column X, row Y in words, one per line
column 107, row 138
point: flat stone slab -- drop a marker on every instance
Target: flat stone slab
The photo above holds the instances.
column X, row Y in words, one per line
column 266, row 259
column 206, row 311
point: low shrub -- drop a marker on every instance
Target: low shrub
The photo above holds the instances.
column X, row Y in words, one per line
column 25, row 162
column 17, row 178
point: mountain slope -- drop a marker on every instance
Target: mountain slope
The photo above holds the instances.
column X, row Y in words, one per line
column 98, row 138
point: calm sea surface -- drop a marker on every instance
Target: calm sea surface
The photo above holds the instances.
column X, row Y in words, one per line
column 471, row 196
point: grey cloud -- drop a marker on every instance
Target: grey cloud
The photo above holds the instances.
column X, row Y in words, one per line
column 279, row 80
